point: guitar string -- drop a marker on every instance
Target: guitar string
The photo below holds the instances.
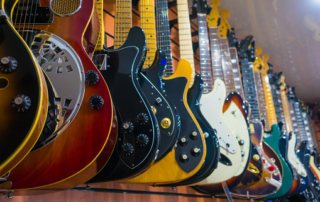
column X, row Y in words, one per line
column 25, row 17
column 28, row 24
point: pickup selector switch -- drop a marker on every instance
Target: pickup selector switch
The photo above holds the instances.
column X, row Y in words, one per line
column 96, row 102
column 8, row 64
column 142, row 140
column 242, row 153
column 127, row 149
column 142, row 118
column 92, row 77
column 21, row 103
column 127, row 127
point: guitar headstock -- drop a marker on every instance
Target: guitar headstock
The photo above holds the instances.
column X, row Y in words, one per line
column 213, row 18
column 244, row 47
column 265, row 66
column 292, row 94
column 224, row 27
column 232, row 40
column 282, row 84
column 201, row 6
column 258, row 63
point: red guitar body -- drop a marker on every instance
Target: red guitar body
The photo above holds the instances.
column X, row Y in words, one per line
column 84, row 148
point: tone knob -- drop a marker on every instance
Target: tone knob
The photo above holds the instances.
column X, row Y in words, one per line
column 96, row 102
column 184, row 158
column 142, row 140
column 142, row 118
column 183, row 141
column 195, row 151
column 241, row 142
column 92, row 77
column 127, row 127
column 21, row 103
column 8, row 64
column 127, row 149
column 194, row 135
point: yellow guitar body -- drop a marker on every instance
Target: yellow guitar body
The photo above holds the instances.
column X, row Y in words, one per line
column 167, row 169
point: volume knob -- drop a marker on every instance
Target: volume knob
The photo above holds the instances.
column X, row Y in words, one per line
column 96, row 102
column 21, row 103
column 127, row 149
column 142, row 118
column 92, row 77
column 8, row 64
column 143, row 140
column 127, row 127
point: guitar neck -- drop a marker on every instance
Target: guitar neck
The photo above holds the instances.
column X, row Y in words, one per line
column 268, row 98
column 185, row 40
column 236, row 71
column 294, row 119
column 261, row 99
column 286, row 111
column 217, row 72
column 204, row 52
column 147, row 21
column 226, row 65
column 101, row 39
column 300, row 122
column 163, row 33
column 277, row 104
column 123, row 22
column 249, row 87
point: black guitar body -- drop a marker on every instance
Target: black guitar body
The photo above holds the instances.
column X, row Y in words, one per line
column 212, row 143
column 167, row 116
column 138, row 135
column 304, row 156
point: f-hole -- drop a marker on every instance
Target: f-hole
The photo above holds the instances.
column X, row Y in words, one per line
column 4, row 82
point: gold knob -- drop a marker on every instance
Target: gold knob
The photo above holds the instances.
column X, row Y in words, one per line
column 184, row 156
column 272, row 160
column 251, row 128
column 154, row 109
column 266, row 179
column 256, row 157
column 165, row 123
column 183, row 140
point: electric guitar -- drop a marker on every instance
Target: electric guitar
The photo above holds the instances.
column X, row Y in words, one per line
column 187, row 158
column 55, row 165
column 138, row 135
column 267, row 181
column 24, row 97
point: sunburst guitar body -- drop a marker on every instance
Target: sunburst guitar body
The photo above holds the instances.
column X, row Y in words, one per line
column 83, row 149
column 24, row 97
column 187, row 158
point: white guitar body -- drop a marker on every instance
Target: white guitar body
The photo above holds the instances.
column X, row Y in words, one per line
column 211, row 106
column 238, row 125
column 292, row 157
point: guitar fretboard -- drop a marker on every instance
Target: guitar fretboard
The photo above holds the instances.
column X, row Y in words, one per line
column 249, row 87
column 147, row 21
column 204, row 50
column 226, row 65
column 277, row 104
column 123, row 22
column 163, row 33
column 300, row 123
column 217, row 72
column 268, row 98
column 185, row 40
column 294, row 120
column 236, row 71
column 261, row 98
column 101, row 39
column 286, row 110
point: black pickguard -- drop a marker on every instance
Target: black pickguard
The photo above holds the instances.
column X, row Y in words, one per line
column 15, row 126
column 124, row 66
column 175, row 88
column 151, row 83
column 212, row 143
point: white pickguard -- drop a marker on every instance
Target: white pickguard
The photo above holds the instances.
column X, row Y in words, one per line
column 293, row 159
column 211, row 106
column 238, row 125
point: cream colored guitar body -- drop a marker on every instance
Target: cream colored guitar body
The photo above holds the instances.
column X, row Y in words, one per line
column 211, row 106
column 292, row 157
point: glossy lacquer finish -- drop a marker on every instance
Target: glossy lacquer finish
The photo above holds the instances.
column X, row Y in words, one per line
column 212, row 143
column 273, row 141
column 151, row 83
column 19, row 131
column 121, row 76
column 304, row 155
column 86, row 145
